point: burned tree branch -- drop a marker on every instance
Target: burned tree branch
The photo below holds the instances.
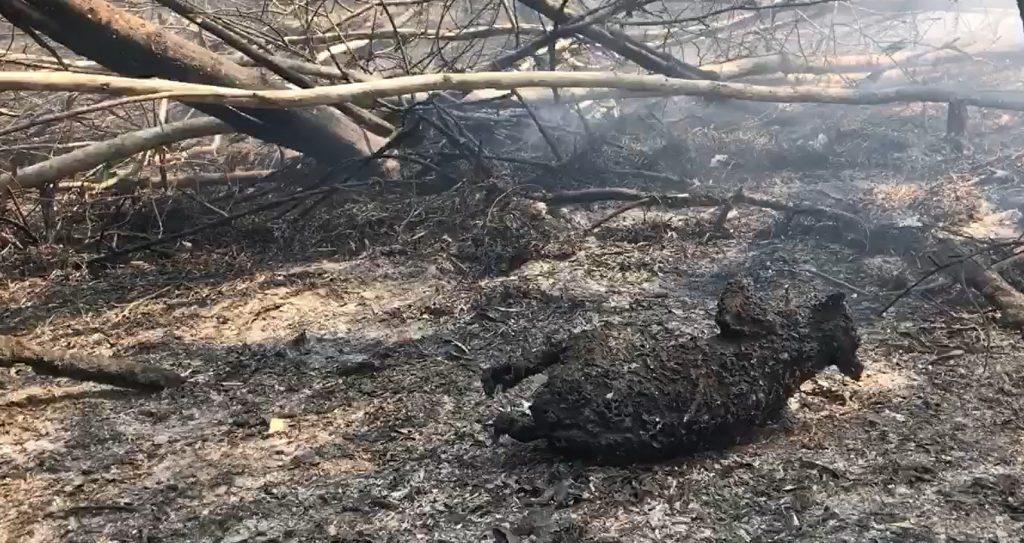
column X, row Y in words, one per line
column 130, row 45
column 589, row 196
column 91, row 108
column 676, row 201
column 123, row 146
column 82, row 367
column 621, row 43
column 961, row 265
column 376, row 124
column 364, row 93
column 182, row 181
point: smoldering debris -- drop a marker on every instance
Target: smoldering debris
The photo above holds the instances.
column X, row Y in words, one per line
column 618, row 394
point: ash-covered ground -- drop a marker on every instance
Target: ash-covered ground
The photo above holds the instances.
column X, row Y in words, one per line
column 333, row 367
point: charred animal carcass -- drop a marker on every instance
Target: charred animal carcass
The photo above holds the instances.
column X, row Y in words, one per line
column 619, row 394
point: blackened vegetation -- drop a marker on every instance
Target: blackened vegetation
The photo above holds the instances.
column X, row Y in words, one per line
column 620, row 394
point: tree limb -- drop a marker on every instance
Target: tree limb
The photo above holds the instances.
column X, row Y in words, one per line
column 183, row 181
column 131, row 45
column 123, row 146
column 91, row 108
column 960, row 265
column 621, row 43
column 676, row 201
column 361, row 93
column 376, row 124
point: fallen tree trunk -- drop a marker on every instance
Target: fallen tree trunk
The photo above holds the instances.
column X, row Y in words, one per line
column 365, row 93
column 957, row 263
column 82, row 367
column 123, row 146
column 130, row 45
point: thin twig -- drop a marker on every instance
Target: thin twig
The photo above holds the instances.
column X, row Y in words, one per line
column 113, row 255
column 632, row 205
column 100, row 106
column 21, row 227
column 540, row 127
column 831, row 279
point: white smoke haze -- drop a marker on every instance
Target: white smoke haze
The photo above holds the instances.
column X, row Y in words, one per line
column 970, row 46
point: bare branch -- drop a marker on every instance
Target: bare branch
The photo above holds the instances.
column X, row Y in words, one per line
column 367, row 92
column 123, row 146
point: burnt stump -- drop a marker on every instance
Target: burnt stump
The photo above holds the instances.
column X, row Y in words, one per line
column 618, row 394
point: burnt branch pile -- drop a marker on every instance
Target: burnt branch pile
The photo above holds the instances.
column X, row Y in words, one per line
column 622, row 394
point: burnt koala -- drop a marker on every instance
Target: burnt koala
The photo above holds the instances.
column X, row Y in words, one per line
column 620, row 394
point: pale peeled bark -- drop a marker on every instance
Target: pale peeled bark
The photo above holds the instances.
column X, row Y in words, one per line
column 364, row 93
column 123, row 146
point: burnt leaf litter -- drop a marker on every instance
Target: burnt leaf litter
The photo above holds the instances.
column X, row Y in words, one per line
column 360, row 375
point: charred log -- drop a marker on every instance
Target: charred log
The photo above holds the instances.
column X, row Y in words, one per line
column 959, row 264
column 620, row 394
column 83, row 367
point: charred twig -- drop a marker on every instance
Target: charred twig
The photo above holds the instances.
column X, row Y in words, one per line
column 22, row 22
column 540, row 127
column 675, row 201
column 60, row 116
column 833, row 280
column 147, row 245
column 21, row 214
column 47, row 197
column 723, row 213
column 589, row 196
column 632, row 205
column 723, row 217
column 622, row 44
column 22, row 228
column 398, row 39
column 197, row 180
column 471, row 151
column 723, row 11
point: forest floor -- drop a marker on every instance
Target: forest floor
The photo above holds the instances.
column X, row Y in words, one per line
column 333, row 393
